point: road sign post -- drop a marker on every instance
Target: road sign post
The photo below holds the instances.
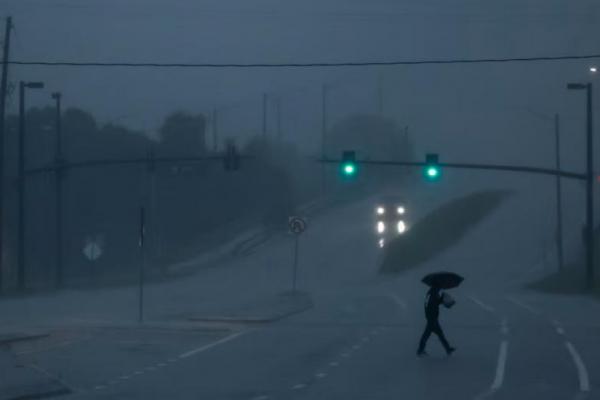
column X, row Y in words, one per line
column 297, row 226
column 142, row 234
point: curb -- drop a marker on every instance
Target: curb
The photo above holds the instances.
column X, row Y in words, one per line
column 40, row 395
column 252, row 319
column 14, row 338
column 259, row 317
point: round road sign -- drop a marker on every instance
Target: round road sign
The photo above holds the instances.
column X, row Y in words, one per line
column 297, row 225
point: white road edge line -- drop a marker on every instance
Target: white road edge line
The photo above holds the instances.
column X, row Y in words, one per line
column 501, row 366
column 211, row 345
column 523, row 305
column 584, row 380
column 481, row 304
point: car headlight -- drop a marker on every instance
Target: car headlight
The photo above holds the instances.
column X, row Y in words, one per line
column 401, row 210
column 381, row 243
column 380, row 210
column 380, row 227
column 401, row 227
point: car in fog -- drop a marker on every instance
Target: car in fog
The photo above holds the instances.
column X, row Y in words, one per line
column 390, row 219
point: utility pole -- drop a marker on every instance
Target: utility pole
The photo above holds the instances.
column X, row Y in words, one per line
column 264, row 115
column 3, row 95
column 559, row 229
column 59, row 192
column 324, row 92
column 215, row 131
column 21, row 183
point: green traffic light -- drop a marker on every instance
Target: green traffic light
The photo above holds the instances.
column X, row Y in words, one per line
column 432, row 172
column 349, row 169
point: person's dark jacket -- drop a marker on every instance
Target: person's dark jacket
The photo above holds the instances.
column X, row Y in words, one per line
column 432, row 304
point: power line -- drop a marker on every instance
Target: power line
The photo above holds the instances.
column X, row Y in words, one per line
column 305, row 65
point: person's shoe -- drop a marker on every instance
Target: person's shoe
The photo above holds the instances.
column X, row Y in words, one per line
column 451, row 350
column 422, row 353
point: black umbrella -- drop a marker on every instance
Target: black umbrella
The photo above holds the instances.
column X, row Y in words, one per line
column 442, row 280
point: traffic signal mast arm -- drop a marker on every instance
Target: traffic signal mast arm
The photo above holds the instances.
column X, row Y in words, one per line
column 130, row 161
column 474, row 166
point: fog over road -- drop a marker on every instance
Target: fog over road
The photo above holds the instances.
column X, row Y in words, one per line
column 358, row 341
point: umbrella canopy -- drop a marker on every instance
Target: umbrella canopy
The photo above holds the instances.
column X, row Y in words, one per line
column 442, row 280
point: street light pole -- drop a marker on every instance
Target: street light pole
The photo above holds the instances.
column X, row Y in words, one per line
column 21, row 183
column 559, row 230
column 589, row 179
column 59, row 192
column 3, row 90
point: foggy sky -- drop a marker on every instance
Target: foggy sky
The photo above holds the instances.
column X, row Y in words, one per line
column 476, row 112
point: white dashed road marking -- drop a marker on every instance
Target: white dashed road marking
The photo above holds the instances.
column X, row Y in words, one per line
column 481, row 304
column 211, row 345
column 501, row 366
column 298, row 386
column 321, row 375
column 523, row 305
column 499, row 377
column 584, row 380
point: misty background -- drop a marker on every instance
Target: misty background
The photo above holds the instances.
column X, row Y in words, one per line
column 489, row 113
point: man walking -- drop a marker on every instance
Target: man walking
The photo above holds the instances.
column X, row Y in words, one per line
column 432, row 312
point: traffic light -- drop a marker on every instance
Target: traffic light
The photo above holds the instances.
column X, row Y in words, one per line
column 348, row 166
column 432, row 167
column 232, row 158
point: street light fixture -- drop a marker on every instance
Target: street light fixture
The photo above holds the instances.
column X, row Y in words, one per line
column 589, row 183
column 593, row 69
column 21, row 170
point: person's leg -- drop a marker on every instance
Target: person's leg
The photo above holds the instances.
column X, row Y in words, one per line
column 424, row 338
column 437, row 329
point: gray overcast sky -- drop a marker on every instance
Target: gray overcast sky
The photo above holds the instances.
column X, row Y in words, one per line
column 446, row 106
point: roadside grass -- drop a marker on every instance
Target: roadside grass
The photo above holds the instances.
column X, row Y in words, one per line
column 441, row 229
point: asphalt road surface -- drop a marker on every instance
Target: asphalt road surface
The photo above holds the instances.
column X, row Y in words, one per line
column 357, row 342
